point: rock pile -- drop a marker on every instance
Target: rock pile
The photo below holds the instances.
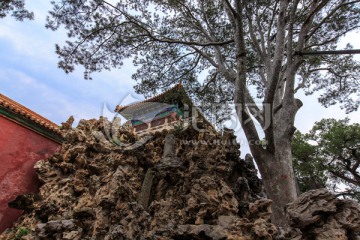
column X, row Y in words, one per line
column 319, row 215
column 107, row 183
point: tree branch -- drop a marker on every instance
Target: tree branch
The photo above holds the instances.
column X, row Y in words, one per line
column 213, row 79
column 276, row 68
column 206, row 56
column 253, row 37
column 344, row 178
column 164, row 39
column 328, row 16
column 232, row 10
column 333, row 52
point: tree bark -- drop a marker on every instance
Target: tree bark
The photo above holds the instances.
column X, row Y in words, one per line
column 279, row 181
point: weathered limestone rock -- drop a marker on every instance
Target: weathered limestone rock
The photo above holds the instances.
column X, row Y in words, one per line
column 319, row 215
column 145, row 193
column 68, row 124
column 169, row 160
column 107, row 183
column 25, row 202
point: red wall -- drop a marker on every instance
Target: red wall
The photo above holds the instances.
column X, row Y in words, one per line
column 20, row 148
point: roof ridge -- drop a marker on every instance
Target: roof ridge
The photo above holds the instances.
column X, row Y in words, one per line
column 119, row 108
column 26, row 112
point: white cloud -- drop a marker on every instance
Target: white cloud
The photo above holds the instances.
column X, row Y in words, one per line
column 42, row 98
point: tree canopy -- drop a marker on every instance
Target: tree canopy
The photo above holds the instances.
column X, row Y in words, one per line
column 16, row 8
column 329, row 155
column 309, row 169
column 182, row 40
column 225, row 51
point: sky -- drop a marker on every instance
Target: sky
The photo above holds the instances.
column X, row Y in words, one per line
column 30, row 76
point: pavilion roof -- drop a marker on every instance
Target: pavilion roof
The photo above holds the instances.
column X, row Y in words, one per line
column 153, row 102
column 149, row 102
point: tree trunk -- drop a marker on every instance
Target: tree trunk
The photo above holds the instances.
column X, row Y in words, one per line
column 279, row 180
column 274, row 162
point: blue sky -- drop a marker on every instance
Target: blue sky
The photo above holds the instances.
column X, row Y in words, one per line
column 29, row 75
